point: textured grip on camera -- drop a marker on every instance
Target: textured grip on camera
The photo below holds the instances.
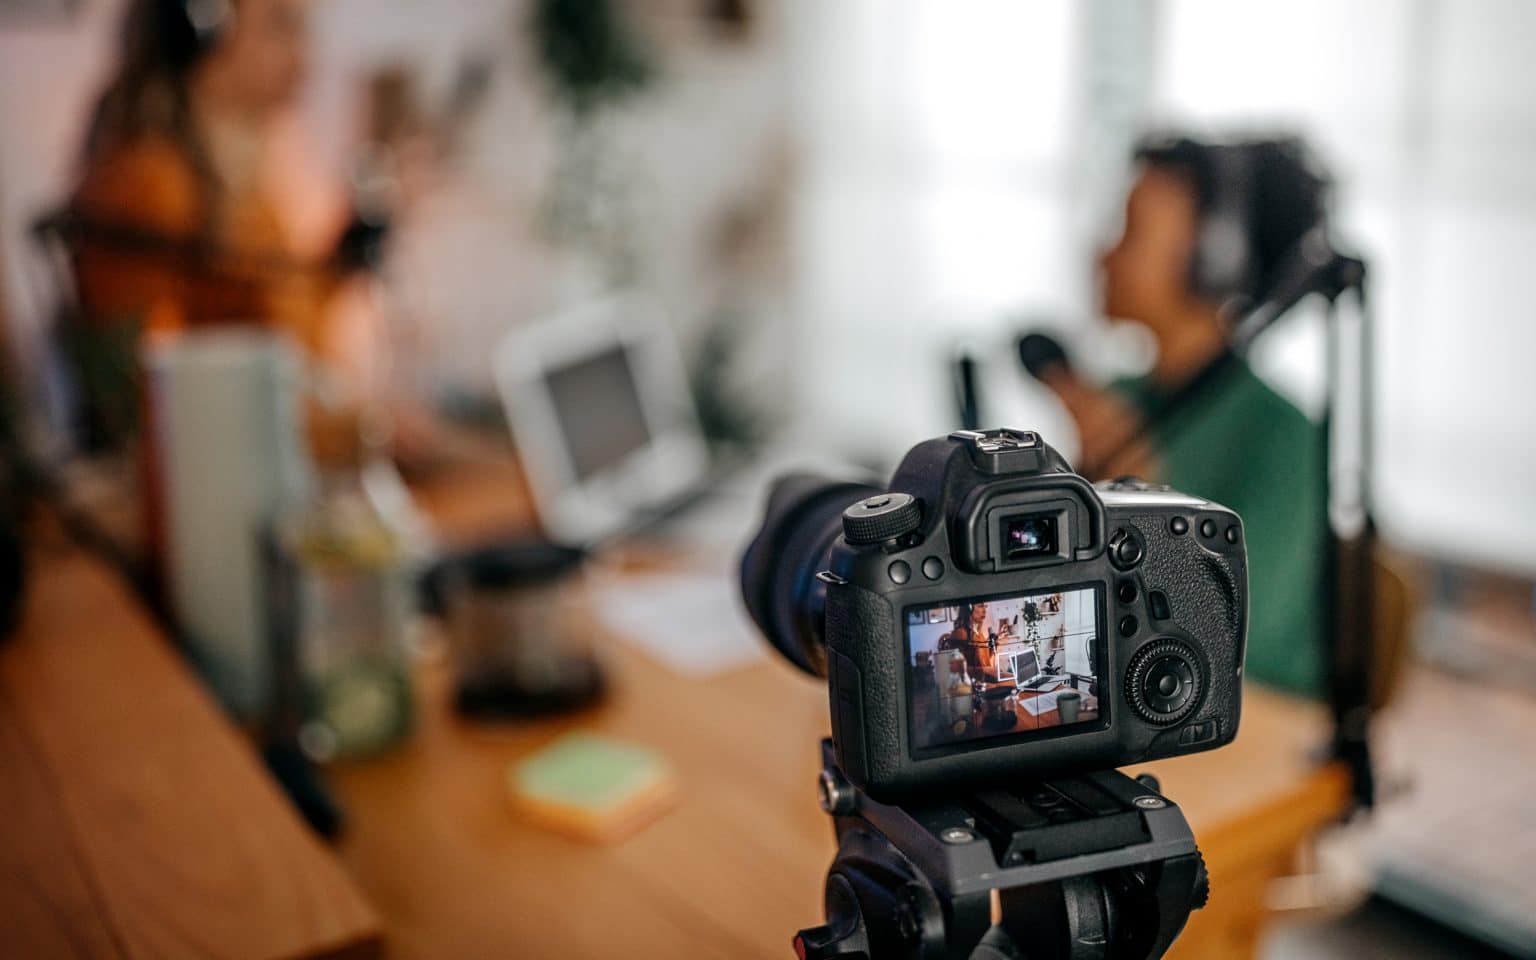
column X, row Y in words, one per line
column 857, row 616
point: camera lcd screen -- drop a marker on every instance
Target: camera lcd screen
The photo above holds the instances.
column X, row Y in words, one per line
column 1001, row 666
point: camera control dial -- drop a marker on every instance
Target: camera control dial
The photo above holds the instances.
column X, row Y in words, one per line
column 1125, row 549
column 1163, row 682
column 885, row 516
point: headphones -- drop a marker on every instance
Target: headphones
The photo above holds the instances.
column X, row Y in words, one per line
column 189, row 29
column 1222, row 267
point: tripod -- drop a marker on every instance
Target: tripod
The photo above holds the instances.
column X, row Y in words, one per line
column 1097, row 867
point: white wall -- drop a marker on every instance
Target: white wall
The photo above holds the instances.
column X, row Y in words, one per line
column 49, row 73
column 936, row 145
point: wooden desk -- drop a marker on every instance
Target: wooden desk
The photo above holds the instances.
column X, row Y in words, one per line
column 1253, row 806
column 737, row 867
column 1014, row 700
column 135, row 821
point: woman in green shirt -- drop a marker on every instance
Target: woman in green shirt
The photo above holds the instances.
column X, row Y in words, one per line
column 1206, row 228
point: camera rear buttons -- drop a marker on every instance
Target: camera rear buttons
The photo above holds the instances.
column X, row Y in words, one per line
column 1179, row 526
column 900, row 572
column 933, row 568
column 1209, row 528
column 1202, row 732
column 1125, row 549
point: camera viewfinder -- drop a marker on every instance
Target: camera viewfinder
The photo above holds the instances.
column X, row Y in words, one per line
column 1030, row 536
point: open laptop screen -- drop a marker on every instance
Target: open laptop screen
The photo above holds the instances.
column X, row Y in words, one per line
column 598, row 406
column 1026, row 666
column 598, row 400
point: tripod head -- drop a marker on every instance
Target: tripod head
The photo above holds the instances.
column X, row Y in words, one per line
column 1094, row 867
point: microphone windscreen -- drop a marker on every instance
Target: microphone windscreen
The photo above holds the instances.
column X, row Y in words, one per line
column 1041, row 355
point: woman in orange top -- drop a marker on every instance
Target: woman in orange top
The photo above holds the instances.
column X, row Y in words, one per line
column 176, row 220
column 970, row 637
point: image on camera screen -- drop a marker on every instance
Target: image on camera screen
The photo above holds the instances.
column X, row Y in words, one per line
column 1006, row 665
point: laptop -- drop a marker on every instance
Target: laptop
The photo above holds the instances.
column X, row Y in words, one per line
column 599, row 405
column 1027, row 675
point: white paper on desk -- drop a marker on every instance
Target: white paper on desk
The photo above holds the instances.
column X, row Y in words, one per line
column 693, row 623
column 1044, row 703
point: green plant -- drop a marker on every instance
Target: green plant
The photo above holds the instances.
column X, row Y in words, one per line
column 589, row 54
column 728, row 419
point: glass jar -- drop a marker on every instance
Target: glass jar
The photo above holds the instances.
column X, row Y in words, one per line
column 520, row 630
column 344, row 592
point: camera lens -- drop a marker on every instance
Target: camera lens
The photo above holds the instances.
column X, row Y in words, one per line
column 778, row 572
column 1033, row 536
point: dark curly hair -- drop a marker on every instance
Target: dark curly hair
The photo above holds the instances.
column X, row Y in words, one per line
column 1287, row 193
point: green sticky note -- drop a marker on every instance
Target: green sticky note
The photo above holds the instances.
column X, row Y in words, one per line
column 587, row 771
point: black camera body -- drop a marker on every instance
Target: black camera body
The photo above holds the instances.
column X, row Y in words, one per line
column 995, row 616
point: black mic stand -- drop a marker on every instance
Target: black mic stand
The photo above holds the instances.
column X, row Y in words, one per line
column 1095, row 867
column 1348, row 432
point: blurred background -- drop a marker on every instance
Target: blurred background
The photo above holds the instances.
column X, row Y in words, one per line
column 798, row 217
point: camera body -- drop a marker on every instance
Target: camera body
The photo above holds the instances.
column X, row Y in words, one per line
column 995, row 616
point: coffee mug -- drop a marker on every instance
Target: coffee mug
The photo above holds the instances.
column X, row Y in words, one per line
column 1068, row 703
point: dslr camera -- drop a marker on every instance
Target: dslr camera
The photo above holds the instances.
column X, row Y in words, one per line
column 994, row 616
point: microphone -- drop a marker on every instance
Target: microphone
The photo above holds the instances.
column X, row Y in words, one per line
column 1044, row 358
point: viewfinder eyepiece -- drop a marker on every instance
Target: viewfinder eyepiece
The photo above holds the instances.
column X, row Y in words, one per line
column 1029, row 536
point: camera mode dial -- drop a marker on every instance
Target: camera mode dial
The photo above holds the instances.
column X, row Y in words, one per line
column 1163, row 682
column 885, row 516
